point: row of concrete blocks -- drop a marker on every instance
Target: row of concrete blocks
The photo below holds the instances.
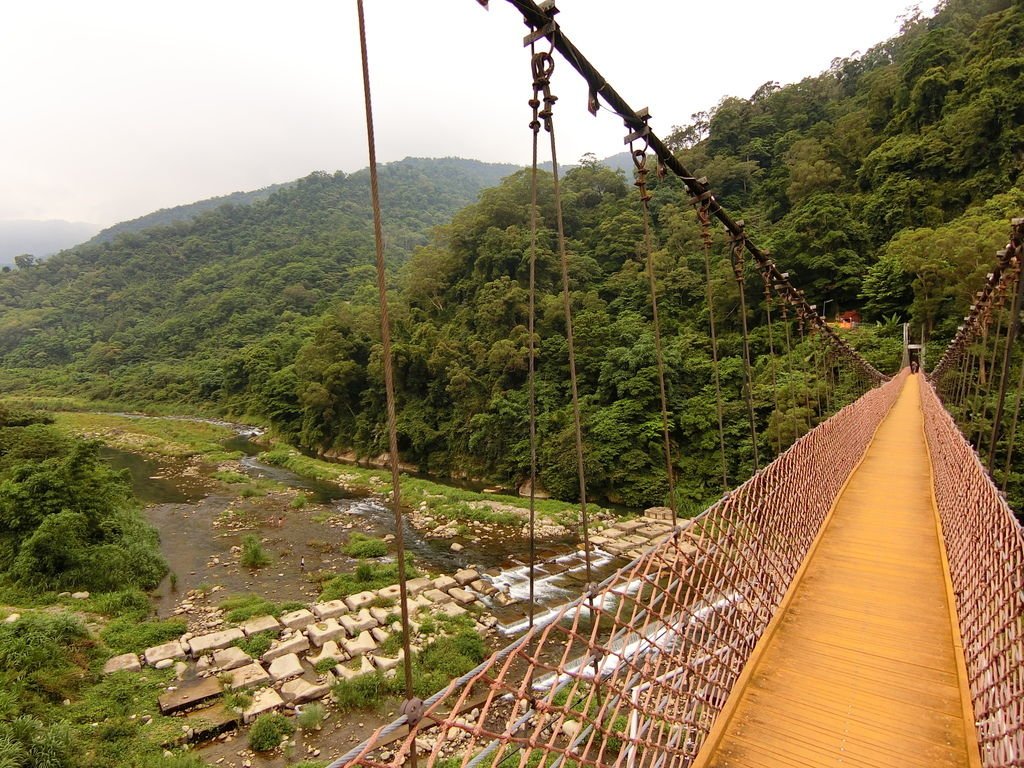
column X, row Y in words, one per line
column 323, row 622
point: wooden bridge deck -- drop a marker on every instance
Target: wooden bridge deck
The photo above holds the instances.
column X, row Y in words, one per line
column 862, row 666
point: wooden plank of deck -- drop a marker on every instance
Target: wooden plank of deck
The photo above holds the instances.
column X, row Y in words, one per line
column 861, row 668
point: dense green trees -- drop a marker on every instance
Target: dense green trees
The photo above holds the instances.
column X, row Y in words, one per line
column 67, row 521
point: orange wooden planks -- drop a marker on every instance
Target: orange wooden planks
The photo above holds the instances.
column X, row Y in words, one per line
column 861, row 667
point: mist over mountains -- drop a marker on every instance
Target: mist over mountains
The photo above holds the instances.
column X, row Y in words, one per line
column 40, row 238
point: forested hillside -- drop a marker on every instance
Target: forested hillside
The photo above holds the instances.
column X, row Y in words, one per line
column 150, row 314
column 884, row 184
column 181, row 213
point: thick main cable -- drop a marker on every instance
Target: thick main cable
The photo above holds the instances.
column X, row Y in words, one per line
column 389, row 386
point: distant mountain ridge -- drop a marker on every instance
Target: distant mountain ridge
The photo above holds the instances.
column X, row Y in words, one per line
column 185, row 212
column 40, row 238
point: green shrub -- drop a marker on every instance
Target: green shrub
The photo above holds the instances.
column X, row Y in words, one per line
column 325, row 665
column 128, row 635
column 26, row 741
column 125, row 602
column 253, row 554
column 299, row 502
column 244, row 607
column 311, row 718
column 360, row 692
column 360, row 545
column 255, row 645
column 39, row 641
column 238, row 701
column 268, row 731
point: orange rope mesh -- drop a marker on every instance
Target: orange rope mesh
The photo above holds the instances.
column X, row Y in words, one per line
column 639, row 679
column 985, row 547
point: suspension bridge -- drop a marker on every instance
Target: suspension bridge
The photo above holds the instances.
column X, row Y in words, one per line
column 858, row 601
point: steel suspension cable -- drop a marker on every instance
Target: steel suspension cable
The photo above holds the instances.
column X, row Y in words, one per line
column 981, row 400
column 1013, row 327
column 771, row 359
column 411, row 707
column 738, row 269
column 704, row 217
column 531, row 329
column 807, row 377
column 789, row 360
column 640, row 161
column 543, row 66
column 1012, row 441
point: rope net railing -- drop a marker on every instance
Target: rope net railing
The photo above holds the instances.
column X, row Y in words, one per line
column 985, row 548
column 635, row 671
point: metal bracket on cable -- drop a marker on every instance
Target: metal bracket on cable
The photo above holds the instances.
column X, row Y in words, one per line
column 413, row 711
column 642, row 132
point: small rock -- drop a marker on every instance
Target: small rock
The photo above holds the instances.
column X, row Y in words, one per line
column 456, row 547
column 570, row 728
column 12, row 618
column 80, row 595
column 164, row 664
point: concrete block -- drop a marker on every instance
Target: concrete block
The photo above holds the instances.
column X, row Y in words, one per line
column 452, row 609
column 230, row 658
column 285, row 668
column 414, row 586
column 330, row 650
column 444, row 583
column 394, row 592
column 266, row 700
column 485, row 587
column 359, row 645
column 462, row 596
column 158, row 653
column 360, row 600
column 126, row 662
column 299, row 691
column 248, row 676
column 437, row 597
column 323, row 631
column 381, row 614
column 298, row 619
column 211, row 642
column 330, row 610
column 360, row 622
column 261, row 624
column 466, row 576
column 296, row 644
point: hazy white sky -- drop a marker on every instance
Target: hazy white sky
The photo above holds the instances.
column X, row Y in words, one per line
column 114, row 108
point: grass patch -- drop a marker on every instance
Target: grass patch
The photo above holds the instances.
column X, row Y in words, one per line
column 154, row 434
column 128, row 635
column 361, row 546
column 244, row 607
column 126, row 602
column 255, row 645
column 367, row 576
column 40, row 641
column 229, row 477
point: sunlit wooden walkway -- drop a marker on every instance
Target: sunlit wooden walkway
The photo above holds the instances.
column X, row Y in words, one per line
column 862, row 666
